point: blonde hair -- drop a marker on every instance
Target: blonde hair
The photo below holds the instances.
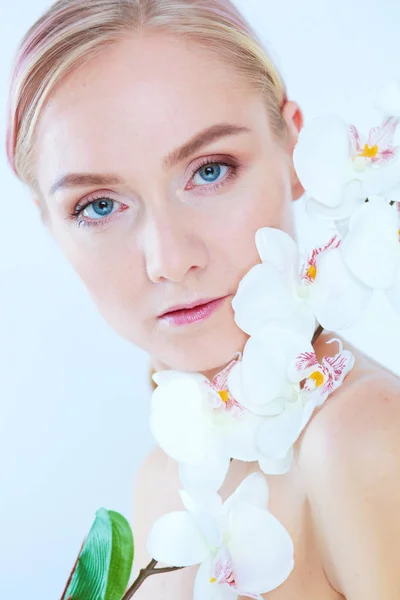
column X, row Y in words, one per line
column 71, row 32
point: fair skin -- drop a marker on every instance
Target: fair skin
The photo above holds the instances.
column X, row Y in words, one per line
column 169, row 236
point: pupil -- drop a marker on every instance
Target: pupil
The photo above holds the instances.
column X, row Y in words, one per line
column 210, row 170
column 103, row 205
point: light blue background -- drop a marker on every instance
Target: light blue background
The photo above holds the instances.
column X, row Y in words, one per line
column 74, row 397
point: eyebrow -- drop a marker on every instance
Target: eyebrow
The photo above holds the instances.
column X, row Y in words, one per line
column 204, row 138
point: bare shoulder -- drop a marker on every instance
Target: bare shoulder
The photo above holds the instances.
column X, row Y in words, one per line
column 369, row 394
column 355, row 415
column 350, row 459
column 156, row 493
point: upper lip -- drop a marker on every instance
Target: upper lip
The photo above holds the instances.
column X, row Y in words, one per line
column 190, row 305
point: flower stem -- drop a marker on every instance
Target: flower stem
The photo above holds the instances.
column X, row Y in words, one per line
column 143, row 574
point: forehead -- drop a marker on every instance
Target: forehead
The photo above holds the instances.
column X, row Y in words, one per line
column 136, row 101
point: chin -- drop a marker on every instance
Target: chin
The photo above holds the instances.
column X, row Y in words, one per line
column 205, row 352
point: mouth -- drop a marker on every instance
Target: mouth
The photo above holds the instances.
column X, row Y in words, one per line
column 185, row 316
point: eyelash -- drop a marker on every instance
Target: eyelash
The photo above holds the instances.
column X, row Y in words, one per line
column 79, row 208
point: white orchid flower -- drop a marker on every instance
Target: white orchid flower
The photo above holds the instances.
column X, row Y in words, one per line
column 283, row 358
column 279, row 292
column 336, row 282
column 260, row 381
column 371, row 250
column 339, row 168
column 321, row 379
column 388, row 99
column 241, row 547
column 201, row 425
column 270, row 292
column 367, row 259
column 337, row 297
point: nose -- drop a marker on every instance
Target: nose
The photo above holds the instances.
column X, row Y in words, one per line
column 173, row 245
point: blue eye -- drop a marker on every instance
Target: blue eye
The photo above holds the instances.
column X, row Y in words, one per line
column 210, row 171
column 101, row 207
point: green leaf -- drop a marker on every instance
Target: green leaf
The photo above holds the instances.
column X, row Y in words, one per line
column 103, row 567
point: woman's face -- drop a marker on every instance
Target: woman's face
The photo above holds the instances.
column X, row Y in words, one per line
column 163, row 227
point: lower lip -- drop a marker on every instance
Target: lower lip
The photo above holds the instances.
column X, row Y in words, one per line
column 192, row 315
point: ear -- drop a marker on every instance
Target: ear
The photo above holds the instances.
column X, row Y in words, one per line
column 293, row 116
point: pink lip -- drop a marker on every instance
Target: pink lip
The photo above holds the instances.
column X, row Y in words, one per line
column 192, row 315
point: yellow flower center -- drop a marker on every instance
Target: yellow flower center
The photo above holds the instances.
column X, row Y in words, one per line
column 224, row 395
column 312, row 272
column 213, row 580
column 369, row 152
column 317, row 377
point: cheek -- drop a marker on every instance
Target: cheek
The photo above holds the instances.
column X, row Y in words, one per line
column 112, row 274
column 273, row 207
column 119, row 291
column 266, row 206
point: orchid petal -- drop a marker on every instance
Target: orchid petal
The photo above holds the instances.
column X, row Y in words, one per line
column 176, row 541
column 261, row 548
column 353, row 198
column 302, row 367
column 204, row 509
column 253, row 490
column 166, row 376
column 276, row 466
column 277, row 434
column 383, row 179
column 235, row 385
column 393, row 295
column 383, row 136
column 308, row 409
column 238, row 437
column 342, row 226
column 277, row 248
column 322, row 158
column 302, row 320
column 206, row 589
column 337, row 297
column 371, row 249
column 395, row 194
column 263, row 371
column 178, row 420
column 263, row 294
column 265, row 360
column 170, row 376
column 388, row 100
column 208, row 476
column 206, row 502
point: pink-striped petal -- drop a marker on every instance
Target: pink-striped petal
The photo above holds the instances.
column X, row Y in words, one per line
column 205, row 588
column 310, row 268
